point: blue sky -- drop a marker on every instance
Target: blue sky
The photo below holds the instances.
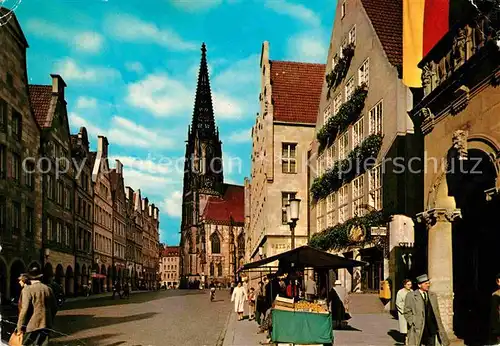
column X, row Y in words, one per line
column 131, row 69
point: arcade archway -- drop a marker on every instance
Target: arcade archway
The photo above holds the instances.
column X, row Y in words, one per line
column 16, row 268
column 69, row 281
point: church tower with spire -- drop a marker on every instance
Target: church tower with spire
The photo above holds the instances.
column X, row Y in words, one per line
column 203, row 174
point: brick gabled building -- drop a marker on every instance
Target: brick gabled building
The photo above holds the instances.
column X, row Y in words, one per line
column 119, row 224
column 49, row 105
column 20, row 192
column 281, row 137
column 84, row 208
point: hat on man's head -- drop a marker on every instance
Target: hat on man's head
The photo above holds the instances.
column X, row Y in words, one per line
column 422, row 278
column 35, row 273
column 338, row 282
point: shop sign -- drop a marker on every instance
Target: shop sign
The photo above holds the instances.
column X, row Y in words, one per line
column 378, row 231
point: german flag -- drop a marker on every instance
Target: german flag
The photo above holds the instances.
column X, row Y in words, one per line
column 425, row 22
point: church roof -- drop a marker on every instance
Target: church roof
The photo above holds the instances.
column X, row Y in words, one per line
column 171, row 251
column 296, row 90
column 387, row 20
column 230, row 207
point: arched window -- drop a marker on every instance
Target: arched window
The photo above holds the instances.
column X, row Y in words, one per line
column 219, row 270
column 212, row 269
column 215, row 241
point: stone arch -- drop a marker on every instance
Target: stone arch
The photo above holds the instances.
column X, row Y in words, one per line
column 34, row 264
column 17, row 267
column 78, row 278
column 215, row 242
column 110, row 278
column 69, row 281
column 59, row 277
column 48, row 272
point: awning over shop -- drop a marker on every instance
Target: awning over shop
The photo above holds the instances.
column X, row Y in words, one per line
column 306, row 256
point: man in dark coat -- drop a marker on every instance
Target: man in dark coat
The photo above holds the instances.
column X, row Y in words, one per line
column 38, row 309
column 495, row 314
column 422, row 314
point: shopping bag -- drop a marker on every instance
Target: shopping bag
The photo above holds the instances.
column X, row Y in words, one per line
column 16, row 339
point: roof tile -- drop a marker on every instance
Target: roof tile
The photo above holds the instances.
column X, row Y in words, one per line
column 231, row 205
column 40, row 97
column 171, row 251
column 387, row 19
column 296, row 89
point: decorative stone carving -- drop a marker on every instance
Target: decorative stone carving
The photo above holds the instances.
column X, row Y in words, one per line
column 479, row 33
column 427, row 118
column 461, row 99
column 444, row 68
column 433, row 216
column 460, row 143
column 459, row 48
column 435, row 81
column 426, row 79
column 469, row 42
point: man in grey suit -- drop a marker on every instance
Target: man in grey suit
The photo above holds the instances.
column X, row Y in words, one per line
column 37, row 312
column 422, row 314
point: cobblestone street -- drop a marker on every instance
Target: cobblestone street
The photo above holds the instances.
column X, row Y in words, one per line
column 155, row 318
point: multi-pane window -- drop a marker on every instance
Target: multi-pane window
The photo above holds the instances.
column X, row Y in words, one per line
column 357, row 133
column 337, row 102
column 289, row 158
column 16, row 167
column 364, row 73
column 58, row 232
column 349, row 89
column 330, row 210
column 376, row 118
column 17, row 125
column 16, row 217
column 60, row 189
column 285, row 200
column 352, row 35
column 320, row 215
column 375, row 187
column 50, row 186
column 330, row 157
column 30, row 220
column 343, row 203
column 327, row 113
column 3, row 115
column 357, row 195
column 321, row 164
column 3, row 162
column 30, row 175
column 49, row 229
column 343, row 146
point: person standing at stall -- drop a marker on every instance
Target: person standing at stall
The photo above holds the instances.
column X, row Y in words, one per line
column 260, row 305
column 311, row 289
column 400, row 305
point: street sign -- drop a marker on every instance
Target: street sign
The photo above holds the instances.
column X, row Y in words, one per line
column 378, row 231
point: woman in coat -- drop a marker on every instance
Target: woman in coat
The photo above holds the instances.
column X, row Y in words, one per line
column 239, row 297
column 400, row 305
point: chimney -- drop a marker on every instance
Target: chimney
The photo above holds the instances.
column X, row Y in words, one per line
column 58, row 85
column 144, row 204
column 129, row 193
column 156, row 213
column 137, row 200
column 102, row 146
column 150, row 211
column 119, row 167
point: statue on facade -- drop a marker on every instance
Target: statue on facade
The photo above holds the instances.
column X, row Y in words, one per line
column 460, row 143
column 470, row 48
column 479, row 33
column 459, row 49
column 434, row 75
column 426, row 79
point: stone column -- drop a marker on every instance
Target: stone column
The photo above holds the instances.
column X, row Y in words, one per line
column 440, row 259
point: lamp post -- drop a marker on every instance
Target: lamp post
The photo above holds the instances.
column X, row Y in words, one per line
column 292, row 215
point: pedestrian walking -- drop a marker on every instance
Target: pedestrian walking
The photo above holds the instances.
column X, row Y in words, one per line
column 422, row 314
column 260, row 304
column 400, row 306
column 117, row 289
column 495, row 314
column 251, row 304
column 311, row 289
column 38, row 309
column 126, row 290
column 337, row 299
column 239, row 297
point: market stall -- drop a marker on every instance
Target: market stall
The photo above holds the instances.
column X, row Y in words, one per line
column 295, row 321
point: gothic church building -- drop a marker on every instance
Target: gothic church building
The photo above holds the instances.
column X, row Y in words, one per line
column 212, row 238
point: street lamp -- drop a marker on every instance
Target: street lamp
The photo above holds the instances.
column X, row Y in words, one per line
column 292, row 216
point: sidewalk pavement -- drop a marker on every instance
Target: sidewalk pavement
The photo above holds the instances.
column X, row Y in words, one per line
column 100, row 295
column 242, row 333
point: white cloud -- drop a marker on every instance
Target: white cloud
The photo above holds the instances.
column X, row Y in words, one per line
column 148, row 183
column 84, row 102
column 241, row 75
column 70, row 70
column 85, row 41
column 226, row 107
column 134, row 67
column 194, row 6
column 128, row 28
column 242, row 136
column 296, row 11
column 77, row 121
column 308, row 47
column 161, row 95
column 172, row 204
